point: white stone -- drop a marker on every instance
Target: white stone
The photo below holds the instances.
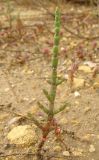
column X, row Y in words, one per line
column 91, row 148
column 76, row 94
column 7, row 89
column 66, row 153
column 78, row 83
column 85, row 69
column 13, row 120
column 66, row 76
column 90, row 64
column 22, row 135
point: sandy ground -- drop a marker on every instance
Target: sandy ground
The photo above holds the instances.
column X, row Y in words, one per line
column 22, row 81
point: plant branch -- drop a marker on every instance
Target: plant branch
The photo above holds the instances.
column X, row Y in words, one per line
column 43, row 108
column 61, row 108
column 16, row 154
column 47, row 95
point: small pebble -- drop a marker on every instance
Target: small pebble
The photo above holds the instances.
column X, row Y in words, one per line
column 76, row 94
column 91, row 148
column 7, row 89
column 66, row 153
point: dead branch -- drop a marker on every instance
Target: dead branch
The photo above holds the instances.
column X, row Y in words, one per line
column 16, row 154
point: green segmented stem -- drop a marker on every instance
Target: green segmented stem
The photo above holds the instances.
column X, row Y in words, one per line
column 55, row 53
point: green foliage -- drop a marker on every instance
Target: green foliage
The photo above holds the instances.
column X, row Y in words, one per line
column 41, row 106
column 54, row 81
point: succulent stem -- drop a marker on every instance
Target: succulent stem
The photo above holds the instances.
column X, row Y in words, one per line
column 55, row 61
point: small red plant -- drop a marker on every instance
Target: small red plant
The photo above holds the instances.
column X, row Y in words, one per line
column 50, row 43
column 72, row 70
column 46, row 52
column 96, row 71
column 80, row 53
